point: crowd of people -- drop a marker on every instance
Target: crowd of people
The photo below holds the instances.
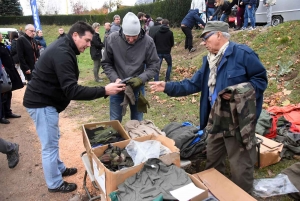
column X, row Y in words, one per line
column 131, row 55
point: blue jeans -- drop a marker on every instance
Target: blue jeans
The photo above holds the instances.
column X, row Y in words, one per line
column 249, row 13
column 115, row 109
column 46, row 124
column 223, row 17
column 168, row 59
column 210, row 12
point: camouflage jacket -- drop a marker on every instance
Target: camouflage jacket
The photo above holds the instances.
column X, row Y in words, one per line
column 235, row 117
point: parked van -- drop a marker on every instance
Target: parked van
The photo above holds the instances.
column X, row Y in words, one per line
column 282, row 11
column 6, row 33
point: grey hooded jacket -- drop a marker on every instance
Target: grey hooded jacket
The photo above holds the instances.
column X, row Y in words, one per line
column 123, row 60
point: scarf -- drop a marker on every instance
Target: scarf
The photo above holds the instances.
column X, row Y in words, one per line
column 213, row 61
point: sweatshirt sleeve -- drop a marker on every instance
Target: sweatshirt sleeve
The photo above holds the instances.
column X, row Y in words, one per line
column 66, row 74
column 152, row 62
column 107, row 61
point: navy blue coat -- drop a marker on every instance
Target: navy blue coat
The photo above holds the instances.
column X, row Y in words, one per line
column 192, row 18
column 239, row 64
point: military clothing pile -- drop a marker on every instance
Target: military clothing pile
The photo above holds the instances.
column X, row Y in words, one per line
column 103, row 135
column 115, row 158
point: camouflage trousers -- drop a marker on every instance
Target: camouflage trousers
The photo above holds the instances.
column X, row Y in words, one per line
column 241, row 160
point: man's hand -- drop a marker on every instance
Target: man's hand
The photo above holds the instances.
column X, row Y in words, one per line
column 28, row 72
column 241, row 3
column 226, row 96
column 135, row 82
column 249, row 6
column 201, row 26
column 118, row 81
column 114, row 88
column 157, row 86
column 210, row 17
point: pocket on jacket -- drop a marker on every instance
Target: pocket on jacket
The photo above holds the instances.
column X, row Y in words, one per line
column 236, row 76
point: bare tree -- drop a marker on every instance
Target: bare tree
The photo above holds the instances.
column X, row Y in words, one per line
column 111, row 4
column 78, row 7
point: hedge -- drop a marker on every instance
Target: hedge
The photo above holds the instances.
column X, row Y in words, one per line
column 173, row 10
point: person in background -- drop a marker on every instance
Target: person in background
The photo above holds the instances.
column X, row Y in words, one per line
column 210, row 9
column 16, row 82
column 39, row 37
column 222, row 5
column 269, row 4
column 61, row 33
column 240, row 15
column 95, row 51
column 21, row 33
column 40, row 47
column 201, row 6
column 28, row 51
column 11, row 150
column 250, row 7
column 107, row 31
column 164, row 41
column 116, row 24
column 140, row 50
column 13, row 52
column 227, row 64
column 155, row 28
column 187, row 25
column 148, row 21
column 54, row 85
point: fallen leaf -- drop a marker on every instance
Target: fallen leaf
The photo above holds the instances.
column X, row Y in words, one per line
column 287, row 92
column 270, row 173
column 285, row 103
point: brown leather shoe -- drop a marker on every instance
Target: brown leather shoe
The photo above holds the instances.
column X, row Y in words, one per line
column 12, row 116
column 4, row 121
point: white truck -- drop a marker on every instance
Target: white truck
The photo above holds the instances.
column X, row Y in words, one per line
column 282, row 11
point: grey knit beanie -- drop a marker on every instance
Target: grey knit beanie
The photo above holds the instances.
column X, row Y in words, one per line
column 131, row 24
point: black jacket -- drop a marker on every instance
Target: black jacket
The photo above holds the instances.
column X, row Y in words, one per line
column 61, row 35
column 96, row 47
column 27, row 53
column 164, row 40
column 154, row 29
column 10, row 69
column 13, row 51
column 223, row 8
column 54, row 80
column 210, row 3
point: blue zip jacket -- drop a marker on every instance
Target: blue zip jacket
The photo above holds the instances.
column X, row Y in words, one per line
column 192, row 18
column 239, row 64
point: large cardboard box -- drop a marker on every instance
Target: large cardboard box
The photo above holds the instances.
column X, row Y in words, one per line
column 221, row 187
column 108, row 180
column 115, row 124
column 196, row 182
column 269, row 152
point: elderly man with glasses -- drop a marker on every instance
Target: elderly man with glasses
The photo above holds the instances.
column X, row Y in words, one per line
column 227, row 65
column 28, row 51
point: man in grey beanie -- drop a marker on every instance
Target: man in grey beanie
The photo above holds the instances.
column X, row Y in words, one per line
column 126, row 53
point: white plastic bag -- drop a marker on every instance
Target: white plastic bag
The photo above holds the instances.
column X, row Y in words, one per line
column 142, row 151
column 279, row 185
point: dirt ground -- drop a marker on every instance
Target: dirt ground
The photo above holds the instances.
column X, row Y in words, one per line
column 26, row 181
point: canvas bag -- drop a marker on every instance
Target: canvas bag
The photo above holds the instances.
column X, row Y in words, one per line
column 4, row 80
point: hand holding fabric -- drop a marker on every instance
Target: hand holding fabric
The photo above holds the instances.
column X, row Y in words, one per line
column 135, row 82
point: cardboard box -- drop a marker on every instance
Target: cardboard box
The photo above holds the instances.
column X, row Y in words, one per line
column 269, row 151
column 115, row 124
column 195, row 180
column 108, row 180
column 221, row 187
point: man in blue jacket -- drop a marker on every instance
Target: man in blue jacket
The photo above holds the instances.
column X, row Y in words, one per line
column 187, row 25
column 226, row 64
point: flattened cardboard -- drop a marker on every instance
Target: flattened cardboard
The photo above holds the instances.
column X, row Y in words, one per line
column 113, row 179
column 115, row 124
column 221, row 187
column 269, row 151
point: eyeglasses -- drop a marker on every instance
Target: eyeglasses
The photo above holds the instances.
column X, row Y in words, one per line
column 207, row 36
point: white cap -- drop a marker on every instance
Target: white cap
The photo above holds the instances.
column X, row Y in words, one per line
column 131, row 24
